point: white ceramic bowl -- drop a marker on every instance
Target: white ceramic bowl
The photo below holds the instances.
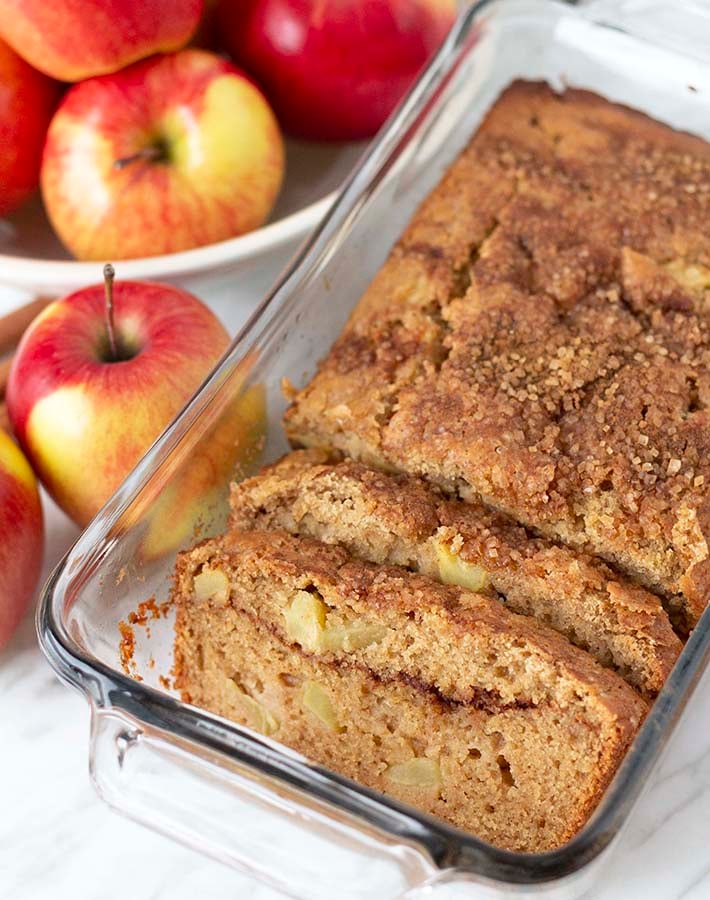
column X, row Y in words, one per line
column 33, row 260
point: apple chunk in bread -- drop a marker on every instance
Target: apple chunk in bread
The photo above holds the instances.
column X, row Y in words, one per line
column 454, row 570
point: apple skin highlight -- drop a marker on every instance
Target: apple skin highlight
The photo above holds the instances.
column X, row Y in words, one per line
column 85, row 421
column 72, row 40
column 172, row 153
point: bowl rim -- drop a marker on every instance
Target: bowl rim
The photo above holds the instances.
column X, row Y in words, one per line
column 29, row 271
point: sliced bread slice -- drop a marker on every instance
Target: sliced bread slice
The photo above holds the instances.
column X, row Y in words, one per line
column 398, row 519
column 432, row 693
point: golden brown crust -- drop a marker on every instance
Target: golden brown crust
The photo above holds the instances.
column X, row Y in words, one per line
column 397, row 519
column 403, row 504
column 556, row 364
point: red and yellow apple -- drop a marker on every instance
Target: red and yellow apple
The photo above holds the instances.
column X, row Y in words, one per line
column 85, row 412
column 174, row 152
column 72, row 40
column 27, row 100
column 334, row 69
column 22, row 536
column 192, row 492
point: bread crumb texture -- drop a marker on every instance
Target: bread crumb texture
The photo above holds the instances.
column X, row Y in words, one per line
column 442, row 698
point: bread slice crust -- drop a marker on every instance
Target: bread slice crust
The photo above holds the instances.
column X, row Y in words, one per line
column 444, row 669
column 399, row 520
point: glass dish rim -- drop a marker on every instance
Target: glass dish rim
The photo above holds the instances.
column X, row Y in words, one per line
column 447, row 847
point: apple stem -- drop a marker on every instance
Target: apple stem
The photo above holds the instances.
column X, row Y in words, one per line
column 153, row 153
column 109, row 275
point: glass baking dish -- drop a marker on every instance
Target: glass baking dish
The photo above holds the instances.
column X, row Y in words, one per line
column 219, row 787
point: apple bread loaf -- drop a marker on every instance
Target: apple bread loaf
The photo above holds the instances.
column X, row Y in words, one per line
column 400, row 520
column 433, row 694
column 539, row 338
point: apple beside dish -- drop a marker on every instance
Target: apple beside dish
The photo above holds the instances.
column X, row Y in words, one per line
column 91, row 386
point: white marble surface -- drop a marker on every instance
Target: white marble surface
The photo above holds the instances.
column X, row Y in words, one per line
column 59, row 841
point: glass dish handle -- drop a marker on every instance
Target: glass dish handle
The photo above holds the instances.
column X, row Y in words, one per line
column 252, row 825
column 675, row 24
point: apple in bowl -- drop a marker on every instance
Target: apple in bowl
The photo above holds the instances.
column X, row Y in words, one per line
column 333, row 69
column 22, row 536
column 174, row 152
column 72, row 40
column 27, row 100
column 97, row 377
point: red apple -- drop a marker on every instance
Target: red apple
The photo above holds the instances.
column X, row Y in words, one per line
column 22, row 536
column 27, row 100
column 171, row 153
column 334, row 69
column 72, row 40
column 85, row 411
column 206, row 35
